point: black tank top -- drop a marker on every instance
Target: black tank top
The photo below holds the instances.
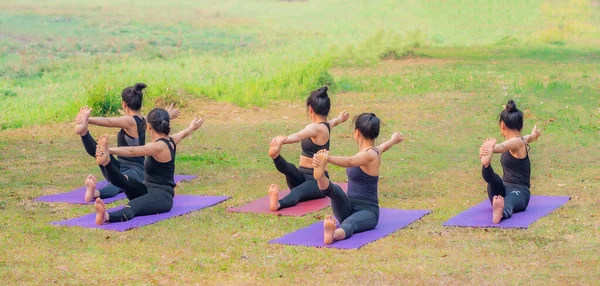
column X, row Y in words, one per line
column 123, row 139
column 309, row 148
column 161, row 173
column 516, row 171
column 361, row 185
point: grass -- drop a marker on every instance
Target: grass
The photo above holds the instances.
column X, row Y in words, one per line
column 434, row 72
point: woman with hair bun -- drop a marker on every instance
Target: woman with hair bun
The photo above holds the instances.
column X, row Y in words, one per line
column 132, row 133
column 509, row 194
column 155, row 193
column 314, row 137
column 358, row 210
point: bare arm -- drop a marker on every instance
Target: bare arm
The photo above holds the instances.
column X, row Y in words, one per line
column 173, row 112
column 149, row 149
column 194, row 125
column 124, row 122
column 535, row 134
column 360, row 159
column 508, row 145
column 341, row 118
column 310, row 130
column 397, row 137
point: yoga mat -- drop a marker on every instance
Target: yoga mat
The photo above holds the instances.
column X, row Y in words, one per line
column 481, row 214
column 390, row 220
column 76, row 196
column 261, row 206
column 182, row 204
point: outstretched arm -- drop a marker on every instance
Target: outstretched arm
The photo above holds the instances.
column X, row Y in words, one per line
column 508, row 145
column 310, row 130
column 124, row 122
column 341, row 118
column 397, row 137
column 149, row 149
column 360, row 159
column 194, row 125
column 535, row 133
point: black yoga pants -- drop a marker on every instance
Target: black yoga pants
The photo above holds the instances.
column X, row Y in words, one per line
column 516, row 197
column 354, row 217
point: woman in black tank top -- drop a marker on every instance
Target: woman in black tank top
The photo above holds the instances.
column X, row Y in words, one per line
column 155, row 194
column 132, row 133
column 509, row 194
column 300, row 179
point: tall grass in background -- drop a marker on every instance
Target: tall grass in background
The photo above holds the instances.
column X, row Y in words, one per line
column 59, row 56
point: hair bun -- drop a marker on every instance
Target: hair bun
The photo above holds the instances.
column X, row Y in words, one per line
column 139, row 86
column 322, row 93
column 511, row 106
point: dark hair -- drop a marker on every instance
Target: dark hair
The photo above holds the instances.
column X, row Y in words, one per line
column 368, row 125
column 160, row 120
column 132, row 96
column 319, row 101
column 512, row 116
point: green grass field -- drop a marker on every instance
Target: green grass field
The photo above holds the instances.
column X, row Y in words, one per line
column 438, row 71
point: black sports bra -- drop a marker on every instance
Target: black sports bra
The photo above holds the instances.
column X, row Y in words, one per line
column 309, row 148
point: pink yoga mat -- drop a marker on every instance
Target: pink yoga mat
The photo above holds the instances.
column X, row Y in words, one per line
column 76, row 196
column 261, row 206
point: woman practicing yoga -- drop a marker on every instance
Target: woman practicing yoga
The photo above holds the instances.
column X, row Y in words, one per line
column 132, row 133
column 509, row 194
column 357, row 211
column 313, row 137
column 155, row 194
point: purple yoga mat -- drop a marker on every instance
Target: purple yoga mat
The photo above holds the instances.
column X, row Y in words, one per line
column 390, row 220
column 481, row 214
column 76, row 196
column 182, row 204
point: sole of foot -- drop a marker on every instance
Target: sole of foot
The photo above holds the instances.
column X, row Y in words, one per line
column 329, row 226
column 273, row 197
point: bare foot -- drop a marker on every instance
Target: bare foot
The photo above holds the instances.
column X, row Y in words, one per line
column 497, row 207
column 487, row 151
column 274, row 197
column 100, row 212
column 90, row 188
column 275, row 146
column 329, row 226
column 81, row 121
column 102, row 156
column 322, row 156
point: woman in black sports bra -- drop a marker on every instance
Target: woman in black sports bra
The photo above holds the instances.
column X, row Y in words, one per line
column 132, row 133
column 155, row 194
column 509, row 194
column 312, row 138
column 358, row 210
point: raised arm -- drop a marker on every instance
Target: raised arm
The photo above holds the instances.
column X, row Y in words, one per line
column 341, row 118
column 310, row 130
column 124, row 122
column 173, row 112
column 194, row 125
column 508, row 145
column 360, row 159
column 397, row 137
column 535, row 134
column 149, row 149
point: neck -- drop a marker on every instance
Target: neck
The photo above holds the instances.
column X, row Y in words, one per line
column 131, row 112
column 511, row 134
column 364, row 144
column 155, row 136
column 318, row 118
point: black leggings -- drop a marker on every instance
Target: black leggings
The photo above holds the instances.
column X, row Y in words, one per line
column 89, row 143
column 516, row 197
column 354, row 215
column 302, row 184
column 143, row 200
